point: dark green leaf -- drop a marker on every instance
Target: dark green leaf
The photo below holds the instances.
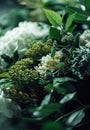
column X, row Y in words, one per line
column 75, row 118
column 76, row 40
column 47, row 110
column 66, row 53
column 48, row 87
column 53, row 17
column 87, row 5
column 7, row 58
column 16, row 56
column 61, row 90
column 72, row 28
column 69, row 21
column 52, row 126
column 53, row 50
column 80, row 16
column 54, row 33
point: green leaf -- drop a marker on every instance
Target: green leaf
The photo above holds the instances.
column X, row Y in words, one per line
column 69, row 21
column 60, row 65
column 46, row 100
column 4, row 75
column 60, row 81
column 54, row 33
column 87, row 5
column 58, row 84
column 67, row 97
column 61, row 90
column 52, row 126
column 53, row 17
column 53, row 50
column 47, row 110
column 48, row 87
column 80, row 16
column 75, row 118
column 72, row 28
column 76, row 40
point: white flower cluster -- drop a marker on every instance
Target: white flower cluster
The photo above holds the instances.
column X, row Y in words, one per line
column 85, row 38
column 48, row 63
column 19, row 38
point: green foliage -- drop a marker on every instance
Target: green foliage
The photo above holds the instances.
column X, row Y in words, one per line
column 81, row 16
column 11, row 20
column 80, row 62
column 4, row 83
column 59, row 81
column 47, row 110
column 67, row 97
column 38, row 49
column 53, row 50
column 75, row 118
column 87, row 5
column 21, row 71
column 69, row 21
column 54, row 33
column 52, row 125
column 51, row 101
column 53, row 17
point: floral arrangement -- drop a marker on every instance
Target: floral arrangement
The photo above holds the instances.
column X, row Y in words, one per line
column 19, row 38
column 44, row 87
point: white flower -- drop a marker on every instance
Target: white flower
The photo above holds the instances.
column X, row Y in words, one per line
column 48, row 63
column 85, row 38
column 19, row 38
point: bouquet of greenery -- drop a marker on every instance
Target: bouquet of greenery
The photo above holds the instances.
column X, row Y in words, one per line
column 46, row 88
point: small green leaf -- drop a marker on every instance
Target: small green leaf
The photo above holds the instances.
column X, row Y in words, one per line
column 3, row 75
column 75, row 118
column 46, row 100
column 54, row 33
column 87, row 5
column 67, row 97
column 53, row 17
column 69, row 21
column 60, row 65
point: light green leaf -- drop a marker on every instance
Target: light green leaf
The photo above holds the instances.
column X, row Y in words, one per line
column 75, row 118
column 68, row 97
column 46, row 100
column 59, row 81
column 53, row 17
column 69, row 21
column 4, row 75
